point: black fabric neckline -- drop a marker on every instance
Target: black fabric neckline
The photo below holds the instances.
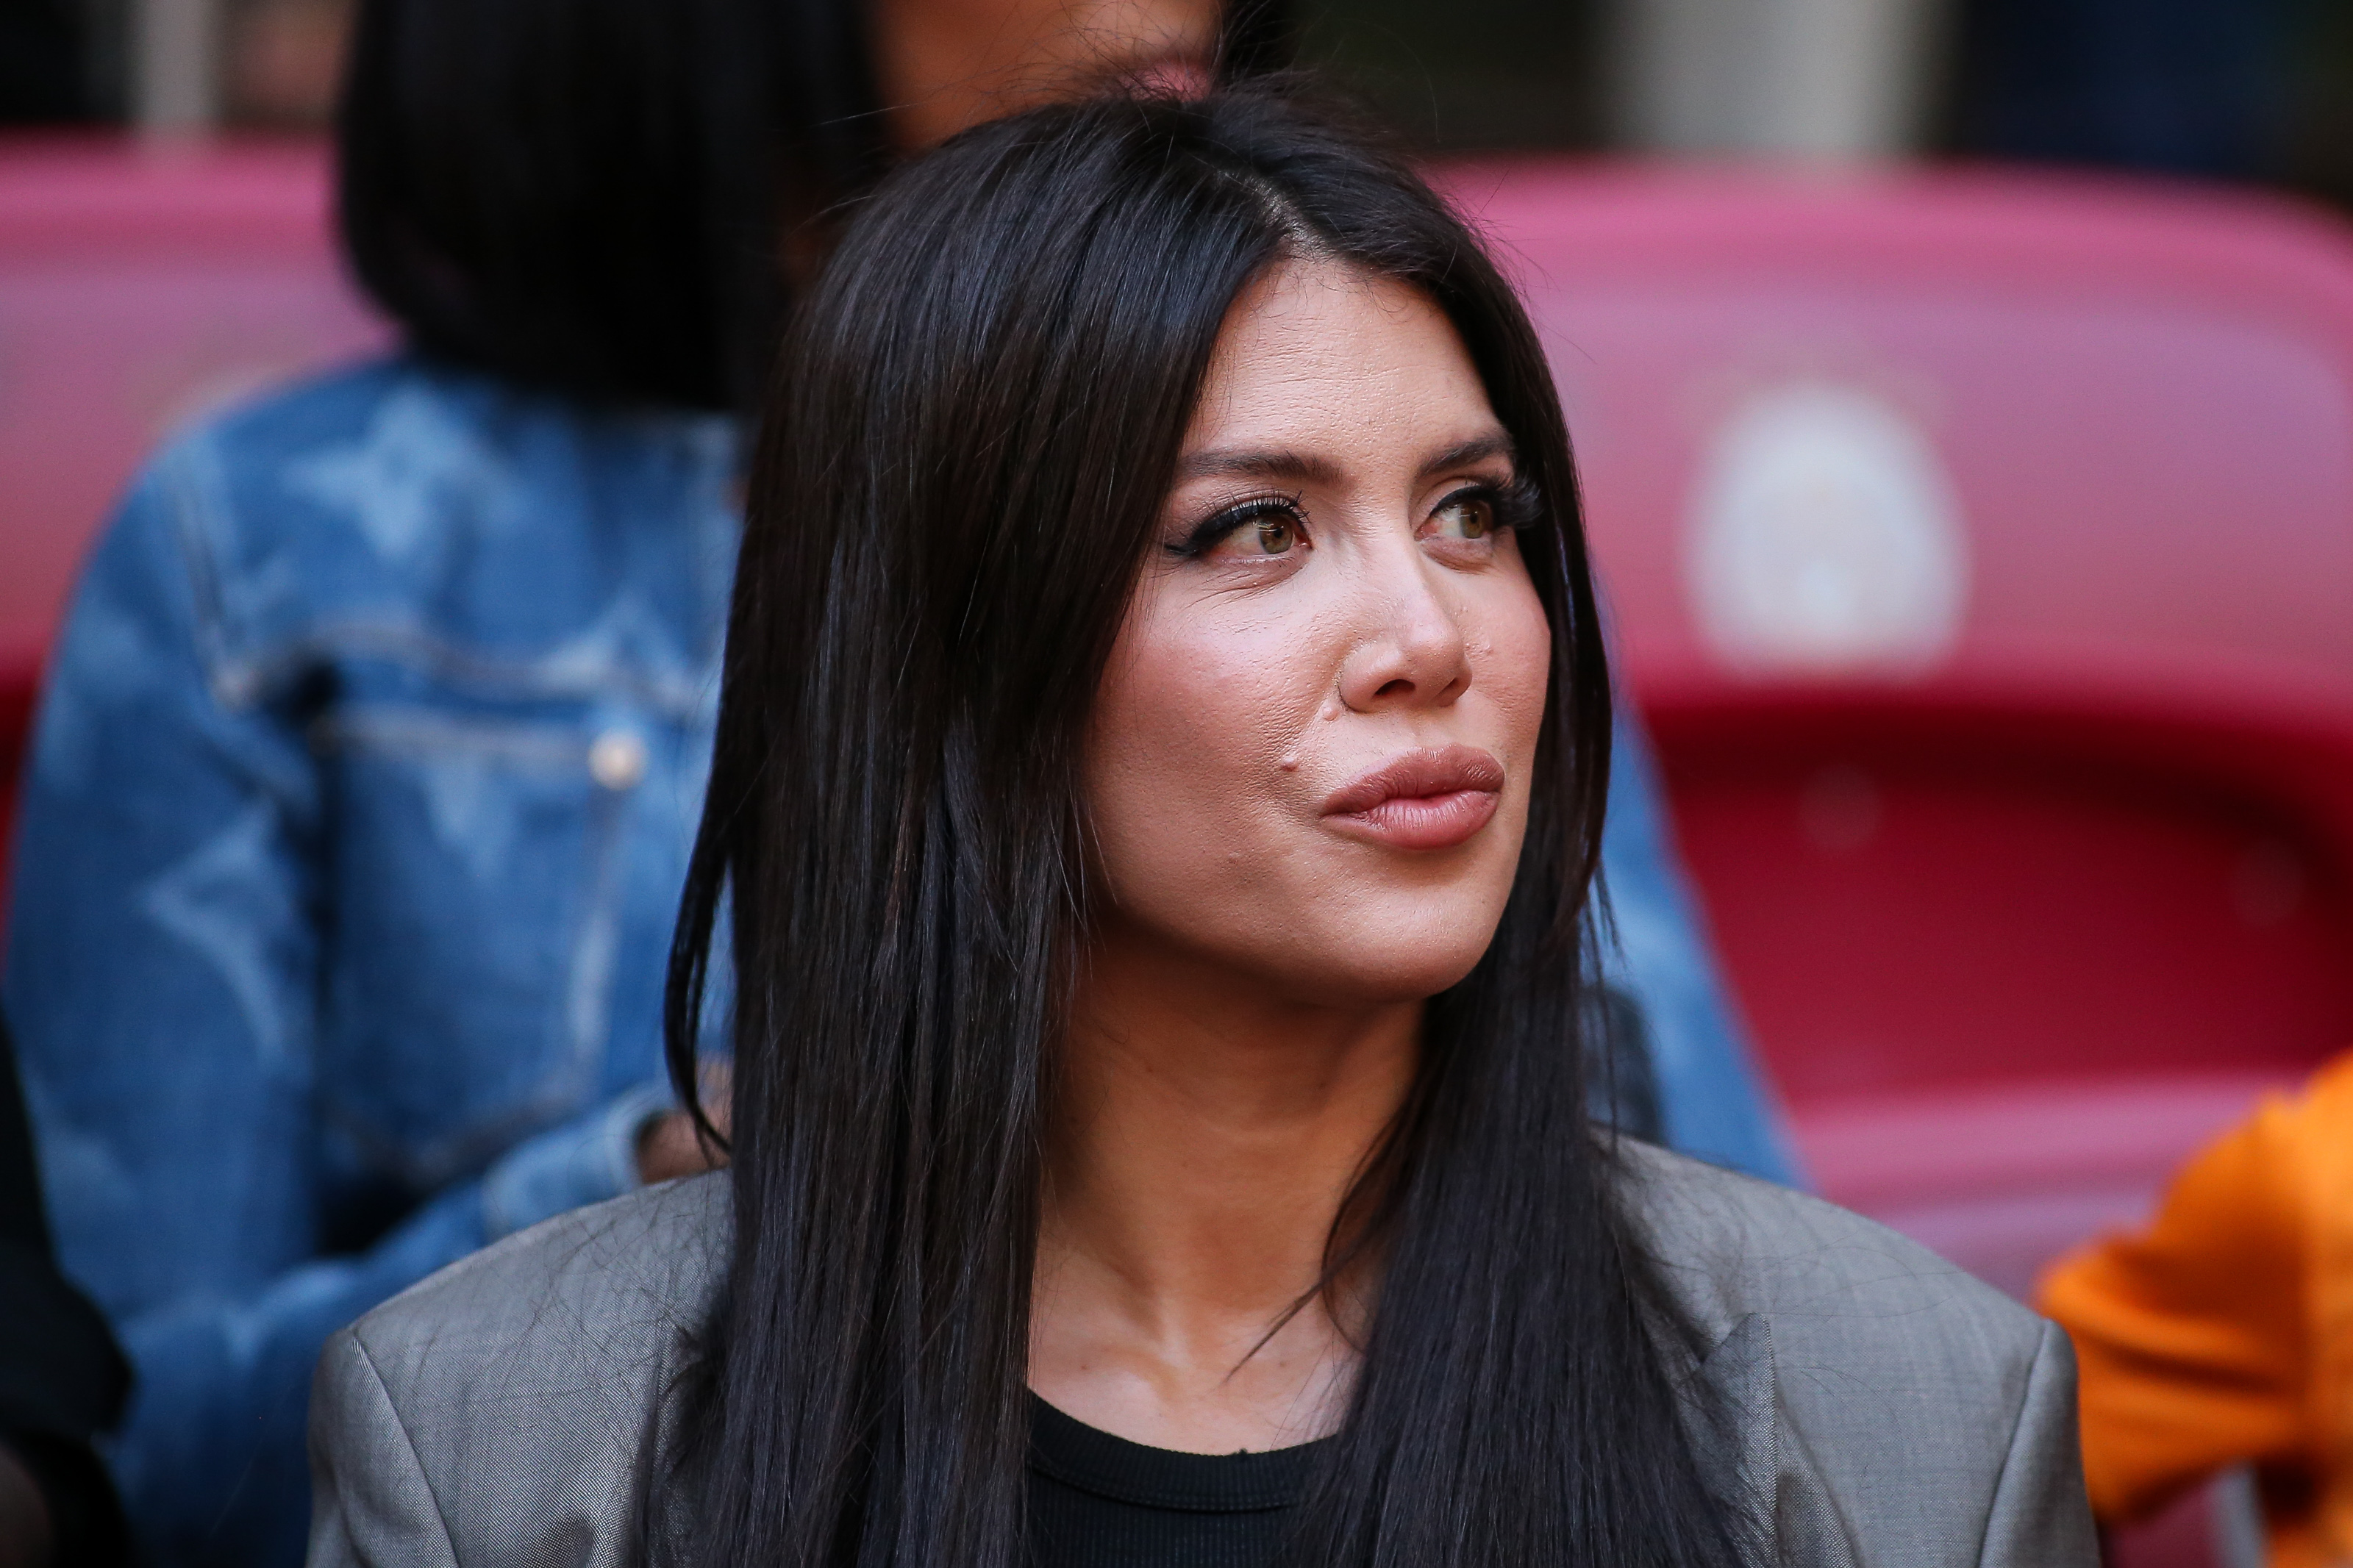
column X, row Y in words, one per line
column 1093, row 1461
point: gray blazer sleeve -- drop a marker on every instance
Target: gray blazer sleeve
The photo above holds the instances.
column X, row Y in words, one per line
column 502, row 1412
column 2041, row 1513
column 371, row 1502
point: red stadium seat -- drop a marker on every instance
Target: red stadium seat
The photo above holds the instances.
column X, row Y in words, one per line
column 1980, row 548
column 140, row 287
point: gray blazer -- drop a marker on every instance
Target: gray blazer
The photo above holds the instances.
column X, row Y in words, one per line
column 1885, row 1407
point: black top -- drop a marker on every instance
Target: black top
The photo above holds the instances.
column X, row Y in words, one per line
column 1101, row 1501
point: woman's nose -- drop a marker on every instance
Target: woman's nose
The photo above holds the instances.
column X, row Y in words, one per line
column 1411, row 651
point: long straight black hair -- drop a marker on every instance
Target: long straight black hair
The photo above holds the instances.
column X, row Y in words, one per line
column 976, row 419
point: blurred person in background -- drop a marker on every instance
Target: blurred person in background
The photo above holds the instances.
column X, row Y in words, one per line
column 2183, row 87
column 363, row 784
column 2222, row 1334
column 62, row 1378
column 42, row 71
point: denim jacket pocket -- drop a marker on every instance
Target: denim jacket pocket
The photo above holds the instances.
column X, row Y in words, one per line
column 471, row 891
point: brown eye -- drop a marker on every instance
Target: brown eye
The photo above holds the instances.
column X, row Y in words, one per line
column 1260, row 532
column 1465, row 517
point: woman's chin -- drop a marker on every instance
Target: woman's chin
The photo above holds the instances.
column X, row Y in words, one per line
column 1377, row 968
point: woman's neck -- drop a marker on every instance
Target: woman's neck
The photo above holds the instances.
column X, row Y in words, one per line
column 1204, row 1138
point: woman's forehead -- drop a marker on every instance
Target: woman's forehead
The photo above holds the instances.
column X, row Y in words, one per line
column 1318, row 358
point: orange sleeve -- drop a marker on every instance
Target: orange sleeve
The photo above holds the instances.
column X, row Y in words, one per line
column 2193, row 1335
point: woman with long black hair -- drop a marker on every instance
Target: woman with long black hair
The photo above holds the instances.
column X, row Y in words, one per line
column 1160, row 768
column 355, row 823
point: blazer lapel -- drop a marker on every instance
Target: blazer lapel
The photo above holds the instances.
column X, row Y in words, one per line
column 1768, row 1477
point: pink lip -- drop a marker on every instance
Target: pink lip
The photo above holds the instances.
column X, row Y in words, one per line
column 1424, row 800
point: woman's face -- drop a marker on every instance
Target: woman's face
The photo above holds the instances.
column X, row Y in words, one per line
column 1310, row 760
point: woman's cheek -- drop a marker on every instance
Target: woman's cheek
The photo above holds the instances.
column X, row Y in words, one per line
column 1192, row 728
column 1513, row 661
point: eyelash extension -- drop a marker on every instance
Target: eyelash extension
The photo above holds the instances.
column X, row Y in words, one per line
column 1517, row 505
column 1218, row 525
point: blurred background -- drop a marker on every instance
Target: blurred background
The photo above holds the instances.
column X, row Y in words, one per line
column 2253, row 91
column 1964, row 389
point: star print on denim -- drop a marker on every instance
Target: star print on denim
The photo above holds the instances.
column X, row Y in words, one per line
column 349, row 950
column 222, row 905
column 629, row 646
column 402, row 480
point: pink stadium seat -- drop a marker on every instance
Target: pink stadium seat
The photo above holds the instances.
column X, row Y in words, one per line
column 140, row 287
column 1979, row 547
column 1982, row 551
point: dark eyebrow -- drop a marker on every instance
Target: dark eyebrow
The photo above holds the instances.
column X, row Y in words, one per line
column 1462, row 453
column 1272, row 465
column 1283, row 464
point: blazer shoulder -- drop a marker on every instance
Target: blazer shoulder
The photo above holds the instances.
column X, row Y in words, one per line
column 1890, row 1407
column 598, row 1283
column 508, row 1402
column 1732, row 1245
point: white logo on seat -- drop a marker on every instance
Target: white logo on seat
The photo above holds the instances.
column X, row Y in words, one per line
column 1825, row 536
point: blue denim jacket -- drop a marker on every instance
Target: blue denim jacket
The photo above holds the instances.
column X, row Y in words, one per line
column 358, row 813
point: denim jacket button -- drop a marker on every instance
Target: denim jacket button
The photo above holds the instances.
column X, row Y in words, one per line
column 617, row 759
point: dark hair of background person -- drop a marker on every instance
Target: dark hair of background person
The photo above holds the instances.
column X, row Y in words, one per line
column 41, row 70
column 62, row 1378
column 976, row 419
column 601, row 197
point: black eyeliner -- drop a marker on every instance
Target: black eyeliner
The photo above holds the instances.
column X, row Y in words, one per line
column 1514, row 504
column 1218, row 525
